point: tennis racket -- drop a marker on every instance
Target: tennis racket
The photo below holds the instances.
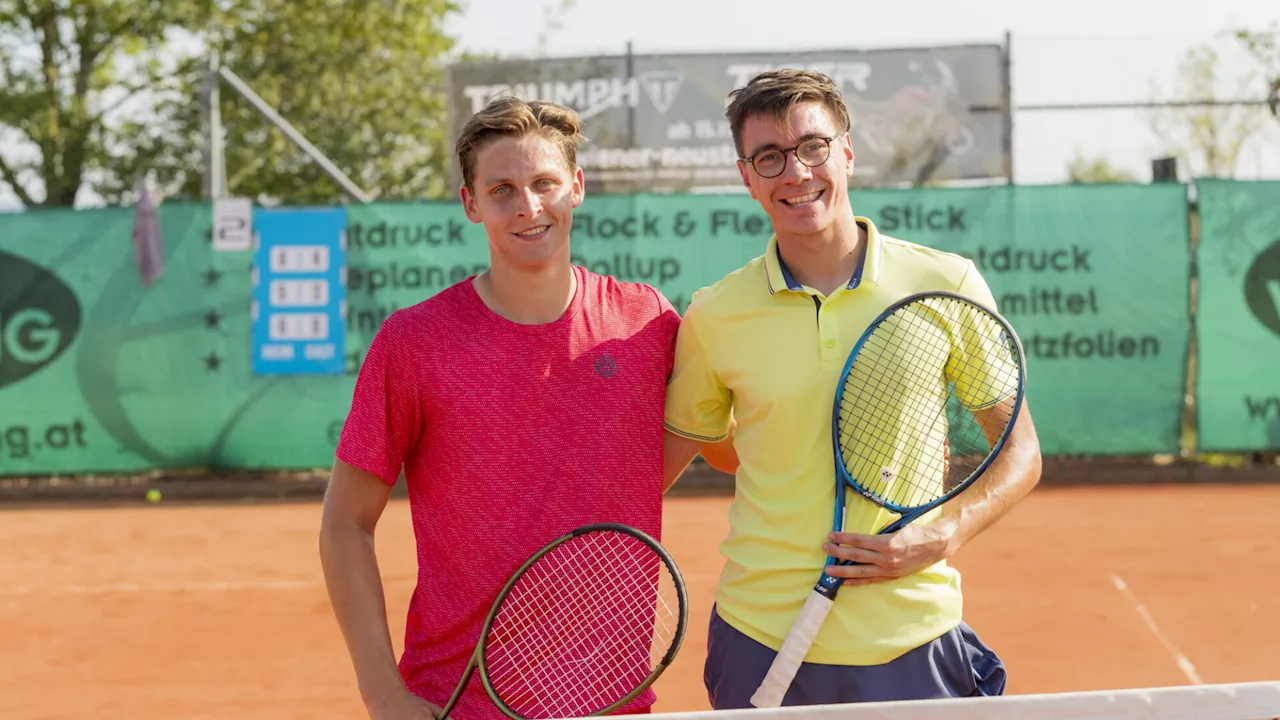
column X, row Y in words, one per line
column 582, row 627
column 924, row 404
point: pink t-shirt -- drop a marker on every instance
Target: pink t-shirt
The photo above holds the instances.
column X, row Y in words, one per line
column 510, row 435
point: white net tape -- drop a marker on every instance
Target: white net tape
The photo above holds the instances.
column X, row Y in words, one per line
column 1237, row 701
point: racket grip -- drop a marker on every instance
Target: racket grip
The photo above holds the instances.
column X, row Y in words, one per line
column 787, row 662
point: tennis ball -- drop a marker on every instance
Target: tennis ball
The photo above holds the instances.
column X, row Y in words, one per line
column 153, row 495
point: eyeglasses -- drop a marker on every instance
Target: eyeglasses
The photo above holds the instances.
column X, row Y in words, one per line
column 770, row 162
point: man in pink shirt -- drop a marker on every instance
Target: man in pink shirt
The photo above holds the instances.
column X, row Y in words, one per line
column 521, row 403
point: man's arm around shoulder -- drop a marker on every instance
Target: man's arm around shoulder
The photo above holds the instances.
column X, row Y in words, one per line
column 353, row 503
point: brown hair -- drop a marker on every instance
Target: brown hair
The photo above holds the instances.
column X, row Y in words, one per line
column 775, row 92
column 512, row 117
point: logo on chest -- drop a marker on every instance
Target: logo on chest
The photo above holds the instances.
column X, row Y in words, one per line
column 605, row 366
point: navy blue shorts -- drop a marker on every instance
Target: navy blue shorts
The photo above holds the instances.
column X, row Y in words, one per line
column 957, row 664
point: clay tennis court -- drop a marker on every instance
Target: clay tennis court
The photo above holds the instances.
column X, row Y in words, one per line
column 218, row 610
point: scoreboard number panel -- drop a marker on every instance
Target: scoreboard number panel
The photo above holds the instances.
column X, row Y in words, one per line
column 299, row 291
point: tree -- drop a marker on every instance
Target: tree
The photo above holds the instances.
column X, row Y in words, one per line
column 1083, row 170
column 362, row 80
column 1265, row 48
column 1208, row 138
column 66, row 68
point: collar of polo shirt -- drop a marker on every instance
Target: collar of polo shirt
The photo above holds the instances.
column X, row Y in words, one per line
column 778, row 277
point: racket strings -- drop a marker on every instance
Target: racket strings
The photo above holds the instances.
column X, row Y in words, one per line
column 910, row 424
column 880, row 408
column 583, row 627
column 528, row 670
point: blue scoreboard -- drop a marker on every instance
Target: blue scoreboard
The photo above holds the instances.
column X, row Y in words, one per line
column 299, row 291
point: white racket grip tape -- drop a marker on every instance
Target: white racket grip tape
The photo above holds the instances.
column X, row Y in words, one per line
column 785, row 665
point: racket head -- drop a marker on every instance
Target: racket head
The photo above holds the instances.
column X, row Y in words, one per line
column 584, row 626
column 935, row 371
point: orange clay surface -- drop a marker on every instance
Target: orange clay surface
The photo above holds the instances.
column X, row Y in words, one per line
column 204, row 611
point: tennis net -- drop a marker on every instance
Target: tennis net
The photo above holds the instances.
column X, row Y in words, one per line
column 1236, row 701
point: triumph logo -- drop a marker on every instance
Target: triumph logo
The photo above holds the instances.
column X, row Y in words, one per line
column 662, row 87
column 588, row 96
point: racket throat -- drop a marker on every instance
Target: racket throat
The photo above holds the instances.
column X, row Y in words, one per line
column 828, row 586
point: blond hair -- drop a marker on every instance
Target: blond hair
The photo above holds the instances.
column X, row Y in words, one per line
column 513, row 117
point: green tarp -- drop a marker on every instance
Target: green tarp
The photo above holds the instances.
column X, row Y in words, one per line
column 1238, row 316
column 99, row 373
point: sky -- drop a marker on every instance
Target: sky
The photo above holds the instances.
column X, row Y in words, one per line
column 1075, row 52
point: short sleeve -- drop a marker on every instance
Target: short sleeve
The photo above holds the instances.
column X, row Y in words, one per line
column 974, row 287
column 385, row 421
column 982, row 364
column 699, row 406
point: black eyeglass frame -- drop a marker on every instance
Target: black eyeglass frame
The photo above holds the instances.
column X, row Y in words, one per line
column 793, row 150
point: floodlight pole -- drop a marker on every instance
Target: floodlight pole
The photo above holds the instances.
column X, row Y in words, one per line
column 215, row 159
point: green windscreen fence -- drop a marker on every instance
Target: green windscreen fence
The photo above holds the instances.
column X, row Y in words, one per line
column 101, row 373
column 1238, row 316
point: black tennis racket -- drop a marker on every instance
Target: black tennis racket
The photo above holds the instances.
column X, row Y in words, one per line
column 582, row 627
column 925, row 403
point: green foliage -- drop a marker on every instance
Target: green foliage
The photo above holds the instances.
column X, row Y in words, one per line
column 66, row 68
column 1083, row 170
column 105, row 91
column 1209, row 139
column 1264, row 46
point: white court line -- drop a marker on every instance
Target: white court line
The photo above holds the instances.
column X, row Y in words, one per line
column 224, row 586
column 1183, row 663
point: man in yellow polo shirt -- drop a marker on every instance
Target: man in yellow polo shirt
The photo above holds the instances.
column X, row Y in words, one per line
column 759, row 354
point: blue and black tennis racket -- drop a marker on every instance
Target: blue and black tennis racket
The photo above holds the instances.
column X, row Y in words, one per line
column 925, row 403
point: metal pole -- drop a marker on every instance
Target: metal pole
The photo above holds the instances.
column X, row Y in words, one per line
column 220, row 189
column 631, row 108
column 214, row 184
column 268, row 112
column 1007, row 101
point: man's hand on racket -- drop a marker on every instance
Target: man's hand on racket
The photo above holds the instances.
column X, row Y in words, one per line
column 892, row 556
column 919, row 545
column 401, row 704
column 886, row 557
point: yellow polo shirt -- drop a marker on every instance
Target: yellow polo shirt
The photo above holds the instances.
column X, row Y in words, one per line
column 759, row 346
